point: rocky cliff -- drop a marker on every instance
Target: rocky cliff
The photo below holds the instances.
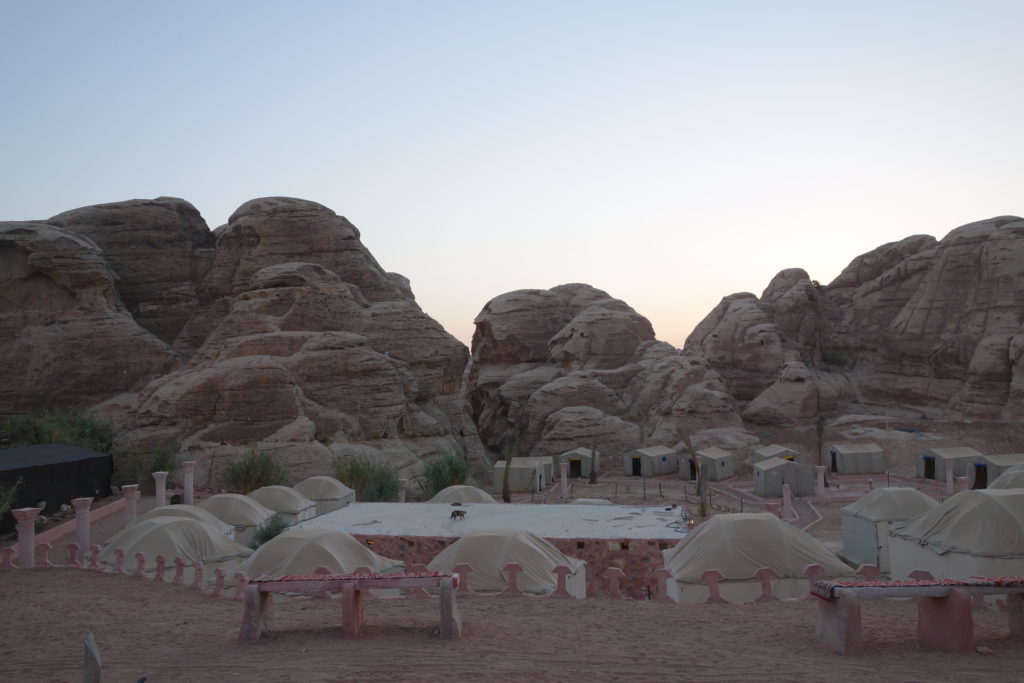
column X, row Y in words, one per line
column 919, row 326
column 572, row 366
column 283, row 335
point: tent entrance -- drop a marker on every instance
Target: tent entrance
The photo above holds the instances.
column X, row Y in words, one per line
column 929, row 467
column 834, row 464
column 637, row 469
column 693, row 469
column 980, row 476
column 575, row 467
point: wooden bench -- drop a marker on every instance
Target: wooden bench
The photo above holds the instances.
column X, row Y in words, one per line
column 258, row 598
column 944, row 617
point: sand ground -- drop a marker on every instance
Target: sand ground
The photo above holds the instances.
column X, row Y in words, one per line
column 174, row 633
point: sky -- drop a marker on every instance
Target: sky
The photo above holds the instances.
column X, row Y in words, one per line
column 669, row 153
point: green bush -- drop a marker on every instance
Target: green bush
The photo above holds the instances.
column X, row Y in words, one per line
column 373, row 482
column 448, row 470
column 7, row 497
column 138, row 468
column 72, row 427
column 252, row 471
column 274, row 525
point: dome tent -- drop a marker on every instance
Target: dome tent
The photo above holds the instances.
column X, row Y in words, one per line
column 172, row 537
column 242, row 512
column 738, row 545
column 190, row 512
column 488, row 551
column 461, row 493
column 866, row 522
column 301, row 551
column 285, row 501
column 328, row 493
column 1012, row 478
column 974, row 533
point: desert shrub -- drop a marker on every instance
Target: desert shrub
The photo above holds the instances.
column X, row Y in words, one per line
column 7, row 498
column 131, row 467
column 274, row 525
column 448, row 470
column 252, row 471
column 373, row 482
column 72, row 427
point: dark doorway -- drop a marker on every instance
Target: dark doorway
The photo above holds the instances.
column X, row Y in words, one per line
column 929, row 467
column 575, row 468
column 637, row 469
column 693, row 470
column 833, row 465
column 980, row 476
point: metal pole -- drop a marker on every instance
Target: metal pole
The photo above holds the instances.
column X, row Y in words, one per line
column 643, row 483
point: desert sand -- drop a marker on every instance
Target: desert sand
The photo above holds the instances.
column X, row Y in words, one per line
column 175, row 633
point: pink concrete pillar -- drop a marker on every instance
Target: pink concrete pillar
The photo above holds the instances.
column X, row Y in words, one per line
column 140, row 565
column 82, row 507
column 921, row 575
column 563, row 472
column 451, row 619
column 160, row 478
column 131, row 502
column 161, row 565
column 614, row 577
column 962, row 484
column 42, row 555
column 765, row 576
column 401, row 490
column 869, row 572
column 73, row 559
column 179, row 570
column 711, row 577
column 241, row 583
column 189, row 475
column 417, row 592
column 1015, row 614
column 118, row 560
column 197, row 578
column 819, row 480
column 94, row 557
column 561, row 572
column 351, row 610
column 787, row 502
column 512, row 570
column 813, row 572
column 946, row 622
column 662, row 576
column 26, row 518
column 463, row 569
column 7, row 557
column 950, row 476
column 839, row 624
column 218, row 583
column 322, row 571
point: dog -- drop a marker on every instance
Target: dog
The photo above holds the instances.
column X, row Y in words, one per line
column 458, row 514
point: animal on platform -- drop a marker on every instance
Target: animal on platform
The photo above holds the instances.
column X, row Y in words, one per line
column 458, row 514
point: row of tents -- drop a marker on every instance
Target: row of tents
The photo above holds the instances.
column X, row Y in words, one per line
column 979, row 469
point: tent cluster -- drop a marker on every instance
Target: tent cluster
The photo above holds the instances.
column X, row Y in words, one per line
column 980, row 470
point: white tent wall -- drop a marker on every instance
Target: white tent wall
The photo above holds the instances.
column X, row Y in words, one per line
column 523, row 477
column 856, row 459
column 650, row 462
column 934, row 460
column 721, row 464
column 768, row 478
column 865, row 541
column 328, row 493
column 776, row 451
column 988, row 467
column 906, row 555
column 580, row 461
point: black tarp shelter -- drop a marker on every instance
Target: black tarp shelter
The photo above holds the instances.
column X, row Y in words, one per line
column 54, row 473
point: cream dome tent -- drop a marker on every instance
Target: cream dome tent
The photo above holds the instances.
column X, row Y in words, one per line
column 285, row 501
column 189, row 512
column 301, row 551
column 242, row 512
column 974, row 533
column 328, row 493
column 1012, row 478
column 172, row 537
column 866, row 522
column 738, row 545
column 490, row 550
column 462, row 494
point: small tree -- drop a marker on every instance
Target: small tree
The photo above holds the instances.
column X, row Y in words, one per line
column 511, row 449
column 448, row 470
column 273, row 526
column 254, row 470
column 373, row 482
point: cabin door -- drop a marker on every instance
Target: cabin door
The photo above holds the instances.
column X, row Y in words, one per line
column 980, row 476
column 575, row 467
column 637, row 469
column 929, row 467
column 693, row 470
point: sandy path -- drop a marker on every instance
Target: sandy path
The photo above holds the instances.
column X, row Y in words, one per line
column 173, row 633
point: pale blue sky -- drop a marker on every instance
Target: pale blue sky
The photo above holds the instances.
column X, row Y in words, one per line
column 670, row 153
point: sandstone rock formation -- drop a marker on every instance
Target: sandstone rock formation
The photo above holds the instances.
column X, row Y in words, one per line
column 65, row 337
column 919, row 326
column 572, row 366
column 288, row 336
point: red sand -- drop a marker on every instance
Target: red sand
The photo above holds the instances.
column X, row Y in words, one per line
column 174, row 633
